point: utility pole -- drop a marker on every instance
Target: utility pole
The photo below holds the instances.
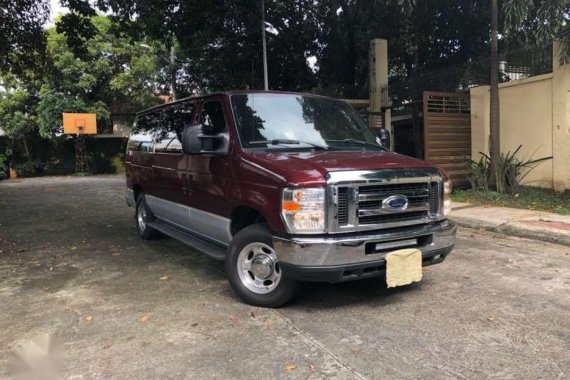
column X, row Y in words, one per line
column 494, row 118
column 264, row 42
column 173, row 69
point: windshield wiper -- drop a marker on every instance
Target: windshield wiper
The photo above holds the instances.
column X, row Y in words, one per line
column 358, row 142
column 285, row 141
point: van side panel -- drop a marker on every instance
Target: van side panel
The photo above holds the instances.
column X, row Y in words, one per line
column 259, row 189
column 140, row 158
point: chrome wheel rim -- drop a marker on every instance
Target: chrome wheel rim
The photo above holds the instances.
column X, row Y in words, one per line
column 258, row 268
column 141, row 217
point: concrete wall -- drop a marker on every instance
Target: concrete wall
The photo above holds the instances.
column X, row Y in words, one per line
column 561, row 122
column 534, row 113
column 526, row 119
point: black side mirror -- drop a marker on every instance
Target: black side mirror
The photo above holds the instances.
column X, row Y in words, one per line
column 200, row 139
column 191, row 144
column 384, row 136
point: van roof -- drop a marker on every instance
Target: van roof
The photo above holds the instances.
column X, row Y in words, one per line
column 225, row 93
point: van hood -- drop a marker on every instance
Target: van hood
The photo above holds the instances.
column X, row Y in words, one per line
column 310, row 168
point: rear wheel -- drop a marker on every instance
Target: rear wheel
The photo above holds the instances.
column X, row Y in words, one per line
column 143, row 216
column 253, row 270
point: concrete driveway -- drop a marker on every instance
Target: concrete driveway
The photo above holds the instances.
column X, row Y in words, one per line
column 71, row 264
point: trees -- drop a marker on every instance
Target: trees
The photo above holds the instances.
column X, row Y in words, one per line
column 218, row 44
column 213, row 36
column 494, row 120
column 22, row 41
column 18, row 119
column 111, row 67
column 92, row 60
column 536, row 21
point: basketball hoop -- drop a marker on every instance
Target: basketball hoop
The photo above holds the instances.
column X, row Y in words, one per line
column 80, row 124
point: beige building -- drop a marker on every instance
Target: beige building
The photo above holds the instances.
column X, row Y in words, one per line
column 534, row 113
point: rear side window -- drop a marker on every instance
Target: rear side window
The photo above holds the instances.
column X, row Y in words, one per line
column 141, row 139
column 169, row 135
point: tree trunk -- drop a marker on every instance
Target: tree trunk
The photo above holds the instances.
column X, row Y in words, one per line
column 26, row 150
column 173, row 71
column 494, row 120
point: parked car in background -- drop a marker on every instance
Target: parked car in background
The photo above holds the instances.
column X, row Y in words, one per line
column 283, row 187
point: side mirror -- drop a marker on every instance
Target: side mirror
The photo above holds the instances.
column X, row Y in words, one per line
column 384, row 136
column 199, row 139
column 190, row 142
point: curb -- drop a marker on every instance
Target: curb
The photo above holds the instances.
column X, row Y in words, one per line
column 518, row 229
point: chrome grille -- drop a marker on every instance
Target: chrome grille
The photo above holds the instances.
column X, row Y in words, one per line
column 402, row 217
column 370, row 200
column 434, row 198
column 358, row 206
column 342, row 210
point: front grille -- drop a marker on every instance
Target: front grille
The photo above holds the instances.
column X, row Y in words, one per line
column 359, row 206
column 402, row 217
column 434, row 198
column 371, row 197
column 342, row 210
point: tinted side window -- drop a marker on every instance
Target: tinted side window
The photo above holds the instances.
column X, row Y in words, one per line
column 169, row 134
column 213, row 116
column 142, row 135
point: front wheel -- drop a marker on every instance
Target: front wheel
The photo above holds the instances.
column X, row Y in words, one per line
column 253, row 270
column 143, row 216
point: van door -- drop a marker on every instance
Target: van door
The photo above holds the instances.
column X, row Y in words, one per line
column 140, row 150
column 210, row 178
column 170, row 168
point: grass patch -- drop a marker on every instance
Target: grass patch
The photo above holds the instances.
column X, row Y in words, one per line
column 529, row 198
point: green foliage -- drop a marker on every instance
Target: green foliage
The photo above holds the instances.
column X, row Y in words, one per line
column 218, row 43
column 479, row 172
column 512, row 171
column 111, row 68
column 17, row 117
column 53, row 103
column 22, row 41
column 3, row 166
column 526, row 197
column 50, row 107
column 29, row 168
column 538, row 22
column 119, row 163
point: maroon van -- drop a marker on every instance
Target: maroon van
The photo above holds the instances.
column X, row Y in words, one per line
column 283, row 187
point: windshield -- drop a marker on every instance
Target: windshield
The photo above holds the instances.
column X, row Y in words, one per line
column 288, row 121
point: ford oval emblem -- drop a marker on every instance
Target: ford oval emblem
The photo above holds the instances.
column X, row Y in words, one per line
column 395, row 203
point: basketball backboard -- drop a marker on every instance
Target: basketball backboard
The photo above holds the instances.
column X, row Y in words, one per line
column 79, row 123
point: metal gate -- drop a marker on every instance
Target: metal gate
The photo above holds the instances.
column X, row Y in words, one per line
column 447, row 133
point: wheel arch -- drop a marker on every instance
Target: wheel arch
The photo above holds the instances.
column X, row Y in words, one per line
column 244, row 216
column 137, row 190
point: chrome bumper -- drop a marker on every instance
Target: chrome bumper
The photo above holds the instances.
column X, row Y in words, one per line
column 130, row 197
column 351, row 249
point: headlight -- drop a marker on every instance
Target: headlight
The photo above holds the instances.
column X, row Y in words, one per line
column 446, row 198
column 303, row 210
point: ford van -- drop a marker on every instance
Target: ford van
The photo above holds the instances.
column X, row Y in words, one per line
column 285, row 187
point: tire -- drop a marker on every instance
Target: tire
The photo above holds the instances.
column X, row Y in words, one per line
column 253, row 270
column 143, row 216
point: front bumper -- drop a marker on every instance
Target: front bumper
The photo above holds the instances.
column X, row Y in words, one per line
column 354, row 256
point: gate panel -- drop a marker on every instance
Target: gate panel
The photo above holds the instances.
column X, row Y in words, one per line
column 447, row 133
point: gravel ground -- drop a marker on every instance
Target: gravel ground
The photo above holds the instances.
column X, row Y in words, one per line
column 72, row 265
